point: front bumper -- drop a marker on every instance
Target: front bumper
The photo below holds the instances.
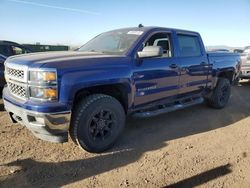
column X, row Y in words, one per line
column 51, row 127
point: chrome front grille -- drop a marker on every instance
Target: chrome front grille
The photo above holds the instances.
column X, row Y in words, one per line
column 19, row 74
column 17, row 90
column 16, row 72
column 17, row 79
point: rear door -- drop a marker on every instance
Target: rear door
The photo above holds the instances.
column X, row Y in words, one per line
column 193, row 64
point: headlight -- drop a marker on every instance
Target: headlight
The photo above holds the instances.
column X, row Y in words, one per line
column 42, row 76
column 43, row 84
column 43, row 93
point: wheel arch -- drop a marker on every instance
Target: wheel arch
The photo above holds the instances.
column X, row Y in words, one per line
column 119, row 91
column 229, row 74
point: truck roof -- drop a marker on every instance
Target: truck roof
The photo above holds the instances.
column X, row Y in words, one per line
column 149, row 28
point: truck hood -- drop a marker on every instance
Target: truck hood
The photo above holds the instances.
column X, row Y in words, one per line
column 59, row 59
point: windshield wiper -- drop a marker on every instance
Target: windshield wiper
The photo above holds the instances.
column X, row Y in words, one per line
column 96, row 51
column 102, row 52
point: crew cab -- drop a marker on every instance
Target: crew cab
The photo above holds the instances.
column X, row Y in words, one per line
column 141, row 71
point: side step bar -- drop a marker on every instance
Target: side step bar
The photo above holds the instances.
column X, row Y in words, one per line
column 177, row 106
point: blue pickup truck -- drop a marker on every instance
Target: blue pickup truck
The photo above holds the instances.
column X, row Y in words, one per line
column 141, row 71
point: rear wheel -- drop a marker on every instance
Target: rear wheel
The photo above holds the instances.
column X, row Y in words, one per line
column 97, row 122
column 221, row 94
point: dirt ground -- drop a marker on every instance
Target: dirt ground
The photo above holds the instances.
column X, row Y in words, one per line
column 197, row 146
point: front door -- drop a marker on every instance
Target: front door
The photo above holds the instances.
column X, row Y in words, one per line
column 156, row 78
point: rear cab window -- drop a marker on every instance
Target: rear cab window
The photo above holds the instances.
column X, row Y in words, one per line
column 189, row 45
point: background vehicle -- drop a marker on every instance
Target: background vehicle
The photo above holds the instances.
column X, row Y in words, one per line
column 247, row 48
column 46, row 48
column 7, row 49
column 142, row 71
column 2, row 81
column 220, row 50
column 245, row 67
column 238, row 51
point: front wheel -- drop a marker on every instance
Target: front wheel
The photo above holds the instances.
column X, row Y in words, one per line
column 221, row 94
column 97, row 122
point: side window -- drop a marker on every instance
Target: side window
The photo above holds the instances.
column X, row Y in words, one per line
column 189, row 45
column 160, row 39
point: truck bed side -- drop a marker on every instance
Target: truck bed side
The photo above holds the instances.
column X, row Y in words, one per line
column 223, row 63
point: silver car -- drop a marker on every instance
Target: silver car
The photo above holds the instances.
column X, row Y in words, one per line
column 245, row 67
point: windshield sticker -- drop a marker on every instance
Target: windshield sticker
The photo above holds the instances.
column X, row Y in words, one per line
column 135, row 32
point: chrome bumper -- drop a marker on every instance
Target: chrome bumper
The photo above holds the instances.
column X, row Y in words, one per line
column 51, row 127
column 245, row 72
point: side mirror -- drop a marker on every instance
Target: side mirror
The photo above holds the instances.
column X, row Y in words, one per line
column 150, row 51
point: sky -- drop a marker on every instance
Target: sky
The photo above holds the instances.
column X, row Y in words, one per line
column 74, row 22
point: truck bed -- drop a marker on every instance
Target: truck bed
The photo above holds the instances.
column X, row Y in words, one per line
column 226, row 60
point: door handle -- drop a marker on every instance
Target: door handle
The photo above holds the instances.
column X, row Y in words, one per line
column 138, row 76
column 173, row 66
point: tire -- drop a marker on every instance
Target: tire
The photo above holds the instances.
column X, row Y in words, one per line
column 97, row 122
column 221, row 94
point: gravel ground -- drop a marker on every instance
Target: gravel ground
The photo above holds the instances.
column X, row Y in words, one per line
column 197, row 146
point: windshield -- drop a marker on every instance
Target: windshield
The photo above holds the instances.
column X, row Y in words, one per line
column 113, row 42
